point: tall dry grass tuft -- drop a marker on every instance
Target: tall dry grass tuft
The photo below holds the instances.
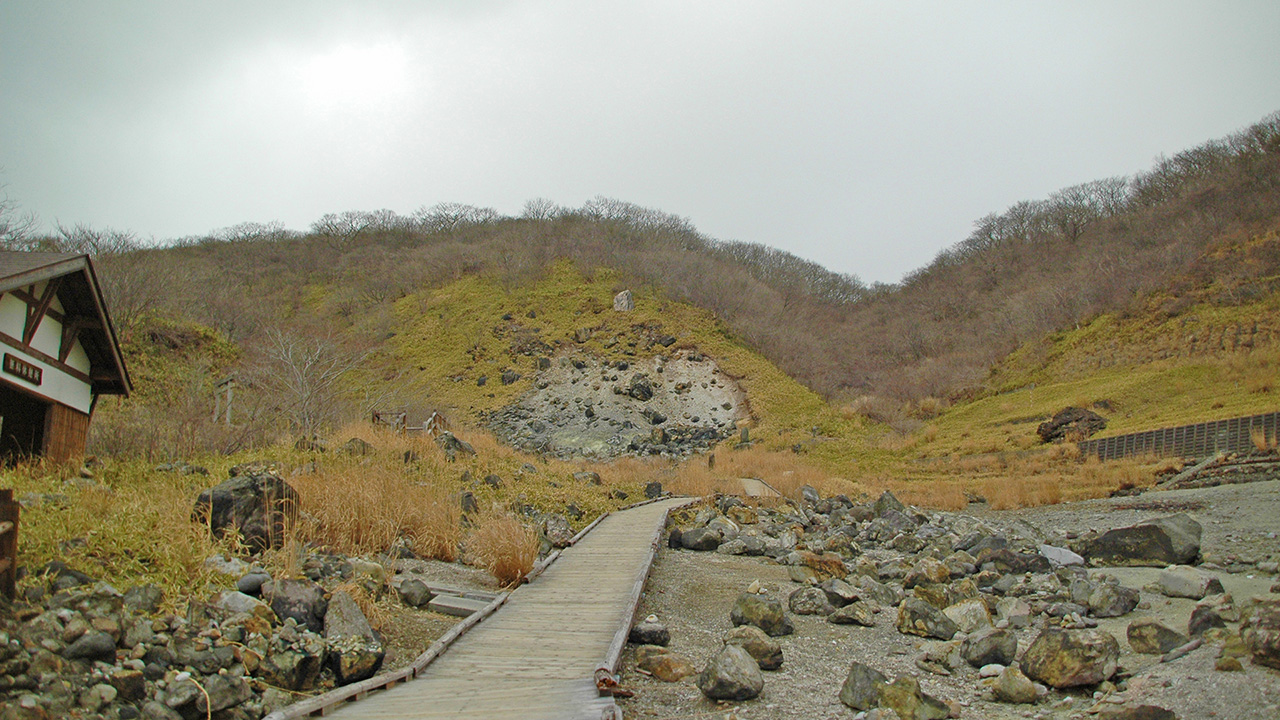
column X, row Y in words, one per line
column 503, row 546
column 360, row 508
column 1262, row 443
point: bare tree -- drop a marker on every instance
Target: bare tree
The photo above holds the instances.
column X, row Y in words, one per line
column 304, row 373
column 16, row 227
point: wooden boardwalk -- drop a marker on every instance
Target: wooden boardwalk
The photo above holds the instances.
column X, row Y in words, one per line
column 535, row 658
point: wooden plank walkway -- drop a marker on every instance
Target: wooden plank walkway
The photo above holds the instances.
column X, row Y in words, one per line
column 534, row 659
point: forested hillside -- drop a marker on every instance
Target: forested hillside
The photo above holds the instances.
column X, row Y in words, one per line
column 1199, row 226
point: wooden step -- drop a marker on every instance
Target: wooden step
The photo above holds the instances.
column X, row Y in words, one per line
column 454, row 605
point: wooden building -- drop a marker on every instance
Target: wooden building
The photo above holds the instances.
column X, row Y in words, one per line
column 59, row 354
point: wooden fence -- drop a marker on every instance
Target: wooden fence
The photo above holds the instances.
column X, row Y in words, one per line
column 8, row 544
column 1200, row 440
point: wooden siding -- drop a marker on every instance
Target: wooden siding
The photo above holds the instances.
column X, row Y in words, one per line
column 65, row 432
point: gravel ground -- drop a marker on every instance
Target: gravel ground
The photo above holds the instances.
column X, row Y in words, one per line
column 693, row 592
column 407, row 632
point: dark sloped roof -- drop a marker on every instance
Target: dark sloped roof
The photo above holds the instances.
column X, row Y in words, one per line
column 81, row 297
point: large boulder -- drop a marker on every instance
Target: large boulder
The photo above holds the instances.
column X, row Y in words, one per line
column 810, row 600
column 354, row 649
column 1111, row 599
column 861, row 688
column 700, row 538
column 917, row 617
column 905, row 697
column 1149, row 637
column 1071, row 423
column 990, row 646
column 731, row 675
column 259, row 506
column 1185, row 581
column 762, row 611
column 1070, row 658
column 1262, row 633
column 1171, row 540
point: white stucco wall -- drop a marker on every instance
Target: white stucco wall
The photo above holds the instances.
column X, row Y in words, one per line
column 56, row 384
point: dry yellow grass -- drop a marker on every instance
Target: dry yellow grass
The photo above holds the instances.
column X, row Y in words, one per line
column 1261, row 442
column 359, row 508
column 503, row 546
column 785, row 471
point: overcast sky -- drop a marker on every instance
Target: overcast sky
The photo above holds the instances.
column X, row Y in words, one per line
column 864, row 136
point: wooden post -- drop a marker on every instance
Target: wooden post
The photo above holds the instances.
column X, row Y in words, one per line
column 8, row 544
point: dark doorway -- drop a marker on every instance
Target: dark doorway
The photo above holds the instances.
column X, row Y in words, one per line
column 21, row 424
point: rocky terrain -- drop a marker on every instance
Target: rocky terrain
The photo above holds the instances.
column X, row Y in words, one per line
column 1158, row 606
column 75, row 647
column 582, row 406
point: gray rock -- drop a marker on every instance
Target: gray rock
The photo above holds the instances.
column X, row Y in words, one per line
column 92, row 646
column 225, row 691
column 294, row 659
column 1171, row 540
column 917, row 617
column 649, row 633
column 887, row 502
column 414, row 593
column 153, row 710
column 144, row 599
column 1185, row 581
column 737, row 546
column 624, row 302
column 992, row 646
column 453, row 445
column 356, row 447
column 1112, row 600
column 1060, row 557
column 1149, row 637
column 258, row 506
column 731, row 675
column 355, row 651
column 809, row 600
column 557, row 529
column 301, row 600
column 905, row 697
column 251, row 583
column 861, row 688
column 700, row 538
column 839, row 593
column 1070, row 658
column 1261, row 633
column 763, row 612
column 653, row 489
column 855, row 613
column 239, row 603
column 766, row 651
column 1012, row 686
